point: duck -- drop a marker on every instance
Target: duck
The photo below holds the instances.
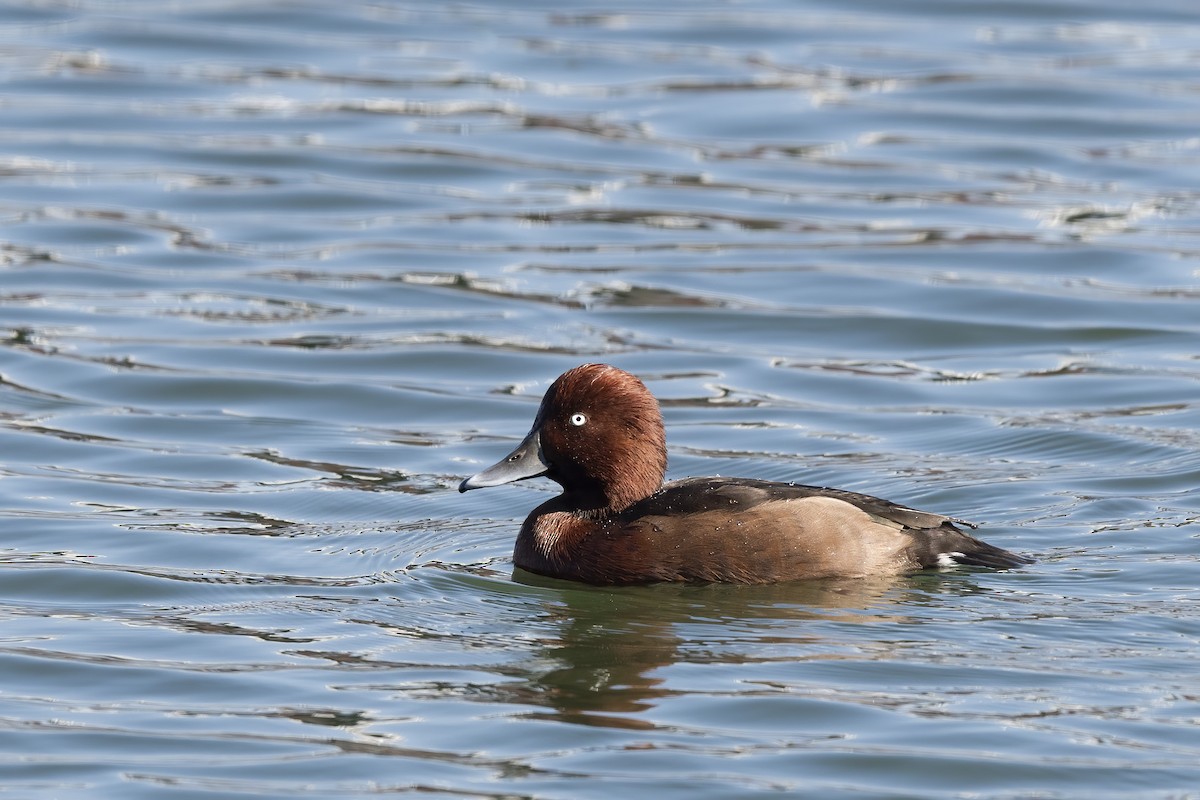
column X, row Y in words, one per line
column 599, row 434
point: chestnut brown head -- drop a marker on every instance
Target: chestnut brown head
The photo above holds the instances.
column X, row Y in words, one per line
column 598, row 433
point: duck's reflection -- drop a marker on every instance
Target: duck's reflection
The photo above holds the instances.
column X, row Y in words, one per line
column 607, row 664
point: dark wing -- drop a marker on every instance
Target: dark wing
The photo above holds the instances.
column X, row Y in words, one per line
column 935, row 539
column 696, row 495
column 892, row 512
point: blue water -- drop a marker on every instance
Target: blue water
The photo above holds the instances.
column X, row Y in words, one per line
column 274, row 276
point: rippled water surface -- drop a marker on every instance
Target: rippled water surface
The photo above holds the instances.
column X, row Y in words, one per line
column 274, row 276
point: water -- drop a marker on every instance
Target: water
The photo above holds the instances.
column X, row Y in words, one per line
column 275, row 276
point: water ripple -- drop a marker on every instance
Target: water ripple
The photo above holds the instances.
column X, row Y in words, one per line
column 274, row 278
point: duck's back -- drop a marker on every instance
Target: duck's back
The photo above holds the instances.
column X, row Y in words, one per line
column 751, row 531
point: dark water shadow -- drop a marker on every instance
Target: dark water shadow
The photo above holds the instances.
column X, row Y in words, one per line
column 614, row 643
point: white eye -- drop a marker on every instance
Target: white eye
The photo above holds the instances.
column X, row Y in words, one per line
column 578, row 419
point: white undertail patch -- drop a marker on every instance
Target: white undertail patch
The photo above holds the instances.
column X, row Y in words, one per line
column 949, row 559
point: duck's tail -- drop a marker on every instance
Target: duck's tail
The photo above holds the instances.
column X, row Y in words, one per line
column 951, row 547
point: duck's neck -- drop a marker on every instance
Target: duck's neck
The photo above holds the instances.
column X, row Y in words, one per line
column 592, row 503
column 597, row 503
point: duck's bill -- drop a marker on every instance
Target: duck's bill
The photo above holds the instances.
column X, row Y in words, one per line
column 526, row 461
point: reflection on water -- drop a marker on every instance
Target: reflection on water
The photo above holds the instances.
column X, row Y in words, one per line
column 274, row 277
column 612, row 642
